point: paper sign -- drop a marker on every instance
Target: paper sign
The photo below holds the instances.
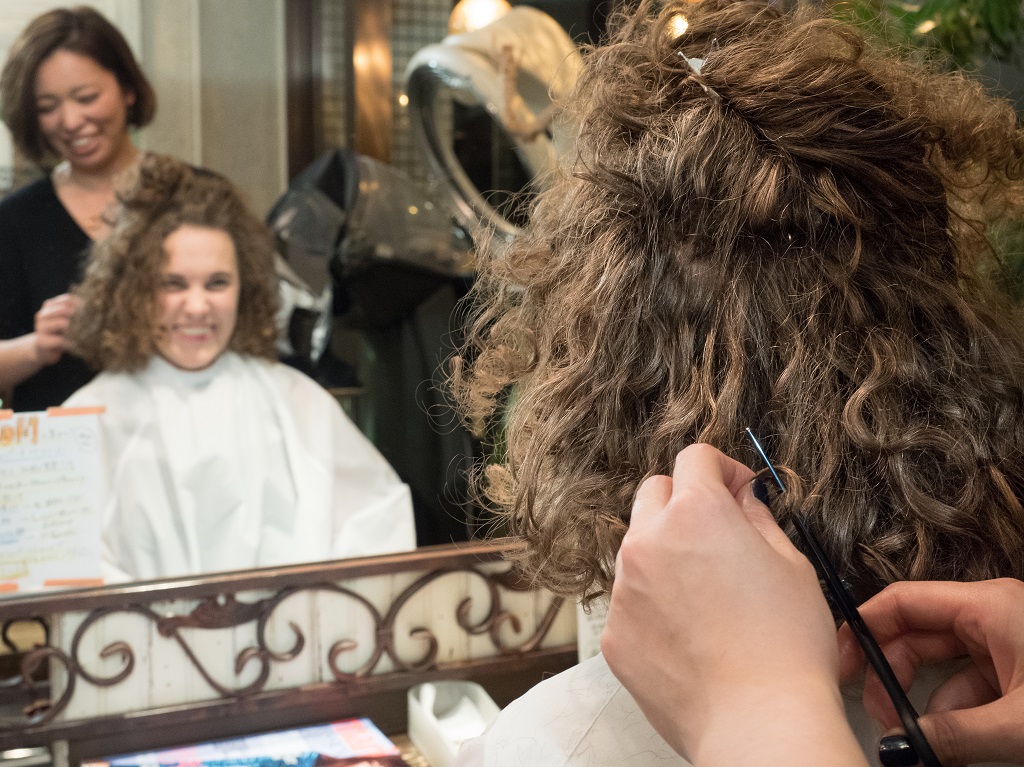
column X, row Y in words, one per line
column 49, row 499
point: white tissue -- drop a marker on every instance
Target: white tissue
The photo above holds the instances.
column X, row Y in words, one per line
column 462, row 722
column 444, row 714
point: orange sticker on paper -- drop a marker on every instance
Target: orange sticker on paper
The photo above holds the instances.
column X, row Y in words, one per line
column 93, row 410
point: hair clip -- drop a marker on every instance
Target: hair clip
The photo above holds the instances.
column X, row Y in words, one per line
column 697, row 66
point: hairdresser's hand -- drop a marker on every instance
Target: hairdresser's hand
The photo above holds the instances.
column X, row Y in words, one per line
column 718, row 628
column 51, row 327
column 978, row 714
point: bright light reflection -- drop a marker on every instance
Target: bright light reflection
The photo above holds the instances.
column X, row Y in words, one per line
column 678, row 25
column 471, row 15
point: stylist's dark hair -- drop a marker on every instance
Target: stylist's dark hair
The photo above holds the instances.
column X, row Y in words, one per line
column 81, row 30
column 780, row 228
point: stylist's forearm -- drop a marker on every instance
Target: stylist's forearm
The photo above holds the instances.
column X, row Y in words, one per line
column 793, row 726
column 19, row 360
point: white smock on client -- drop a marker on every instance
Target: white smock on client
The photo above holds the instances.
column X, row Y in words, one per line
column 584, row 717
column 246, row 463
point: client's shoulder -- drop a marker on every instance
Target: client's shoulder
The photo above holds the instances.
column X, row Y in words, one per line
column 582, row 716
column 305, row 397
column 124, row 399
column 105, row 389
column 284, row 375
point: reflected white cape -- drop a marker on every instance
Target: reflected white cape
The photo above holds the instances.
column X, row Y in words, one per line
column 247, row 463
column 583, row 717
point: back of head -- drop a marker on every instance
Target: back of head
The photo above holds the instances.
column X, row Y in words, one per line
column 115, row 328
column 81, row 30
column 770, row 225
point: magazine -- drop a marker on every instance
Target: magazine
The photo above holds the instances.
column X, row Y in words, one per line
column 351, row 742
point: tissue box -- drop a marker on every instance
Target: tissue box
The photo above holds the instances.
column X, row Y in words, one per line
column 444, row 714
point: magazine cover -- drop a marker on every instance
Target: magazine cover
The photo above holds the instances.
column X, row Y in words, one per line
column 352, row 743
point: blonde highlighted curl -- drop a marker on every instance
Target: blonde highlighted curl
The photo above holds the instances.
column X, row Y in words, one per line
column 116, row 326
column 789, row 237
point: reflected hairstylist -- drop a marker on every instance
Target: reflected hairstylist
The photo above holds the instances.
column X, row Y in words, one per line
column 71, row 91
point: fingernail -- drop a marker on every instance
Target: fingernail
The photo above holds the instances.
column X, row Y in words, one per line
column 896, row 751
column 760, row 490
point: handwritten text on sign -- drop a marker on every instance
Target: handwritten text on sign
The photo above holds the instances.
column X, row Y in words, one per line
column 49, row 498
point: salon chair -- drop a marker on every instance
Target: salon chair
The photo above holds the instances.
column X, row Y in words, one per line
column 391, row 265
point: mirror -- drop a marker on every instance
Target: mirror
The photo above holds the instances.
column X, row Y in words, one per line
column 212, row 75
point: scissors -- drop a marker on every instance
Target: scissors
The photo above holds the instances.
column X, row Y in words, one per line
column 840, row 597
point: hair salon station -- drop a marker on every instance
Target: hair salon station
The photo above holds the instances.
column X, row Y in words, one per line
column 377, row 140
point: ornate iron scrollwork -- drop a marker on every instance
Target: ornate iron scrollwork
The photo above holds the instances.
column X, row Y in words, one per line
column 226, row 611
column 12, row 647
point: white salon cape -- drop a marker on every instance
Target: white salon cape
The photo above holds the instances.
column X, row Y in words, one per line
column 247, row 463
column 584, row 717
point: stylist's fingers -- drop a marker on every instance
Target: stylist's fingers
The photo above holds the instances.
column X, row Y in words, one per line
column 649, row 502
column 960, row 724
column 924, row 622
column 651, row 497
column 972, row 686
column 704, row 485
column 64, row 305
column 761, row 518
column 989, row 733
column 905, row 654
column 911, row 613
column 928, row 621
column 965, row 610
column 698, row 470
column 54, row 316
column 50, row 316
column 704, row 465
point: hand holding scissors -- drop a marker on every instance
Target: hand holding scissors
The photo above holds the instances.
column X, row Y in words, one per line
column 978, row 714
column 718, row 627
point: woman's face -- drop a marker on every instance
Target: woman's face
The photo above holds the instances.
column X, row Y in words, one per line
column 198, row 299
column 82, row 110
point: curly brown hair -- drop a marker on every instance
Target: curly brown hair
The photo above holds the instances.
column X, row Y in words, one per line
column 767, row 224
column 115, row 328
column 81, row 30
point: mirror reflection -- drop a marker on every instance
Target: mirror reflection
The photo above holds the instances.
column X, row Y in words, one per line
column 221, row 445
column 215, row 456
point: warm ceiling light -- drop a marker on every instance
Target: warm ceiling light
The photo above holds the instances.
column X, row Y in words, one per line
column 470, row 15
column 677, row 26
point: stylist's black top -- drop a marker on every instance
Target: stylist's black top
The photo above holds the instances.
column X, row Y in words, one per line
column 42, row 254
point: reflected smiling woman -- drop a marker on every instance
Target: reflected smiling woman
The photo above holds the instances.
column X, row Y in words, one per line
column 70, row 91
column 215, row 456
column 198, row 296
